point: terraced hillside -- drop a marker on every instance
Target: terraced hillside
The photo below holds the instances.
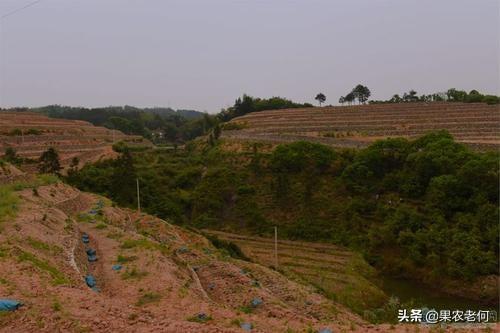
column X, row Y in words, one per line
column 31, row 133
column 339, row 273
column 475, row 124
column 147, row 275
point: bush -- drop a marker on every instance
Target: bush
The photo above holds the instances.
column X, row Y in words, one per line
column 232, row 249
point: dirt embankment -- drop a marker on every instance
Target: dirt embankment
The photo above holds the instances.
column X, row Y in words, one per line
column 169, row 279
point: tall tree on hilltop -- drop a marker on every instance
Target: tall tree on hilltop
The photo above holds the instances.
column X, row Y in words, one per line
column 321, row 98
column 361, row 93
column 349, row 98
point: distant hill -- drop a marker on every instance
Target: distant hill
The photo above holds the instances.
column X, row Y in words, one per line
column 158, row 124
column 165, row 112
column 475, row 124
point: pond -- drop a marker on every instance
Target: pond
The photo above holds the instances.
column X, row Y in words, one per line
column 422, row 295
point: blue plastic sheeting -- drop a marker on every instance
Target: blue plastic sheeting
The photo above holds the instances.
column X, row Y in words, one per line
column 256, row 302
column 85, row 238
column 92, row 258
column 116, row 267
column 246, row 326
column 90, row 252
column 9, row 304
column 325, row 330
column 90, row 281
column 183, row 249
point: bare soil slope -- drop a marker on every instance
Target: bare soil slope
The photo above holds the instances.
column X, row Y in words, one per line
column 171, row 280
column 475, row 124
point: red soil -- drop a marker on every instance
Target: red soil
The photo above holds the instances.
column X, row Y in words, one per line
column 170, row 275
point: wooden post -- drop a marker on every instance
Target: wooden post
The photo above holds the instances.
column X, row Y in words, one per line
column 138, row 197
column 276, row 247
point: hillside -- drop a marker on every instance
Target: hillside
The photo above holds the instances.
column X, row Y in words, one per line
column 475, row 124
column 30, row 134
column 170, row 280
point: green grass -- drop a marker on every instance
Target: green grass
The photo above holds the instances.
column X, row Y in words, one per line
column 114, row 235
column 39, row 245
column 125, row 259
column 245, row 309
column 134, row 273
column 101, row 226
column 56, row 306
column 148, row 298
column 143, row 244
column 58, row 278
column 40, row 180
column 9, row 202
column 197, row 319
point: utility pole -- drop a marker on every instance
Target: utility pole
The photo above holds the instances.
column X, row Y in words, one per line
column 138, row 197
column 276, row 247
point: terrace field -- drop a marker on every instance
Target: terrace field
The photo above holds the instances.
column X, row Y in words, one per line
column 30, row 134
column 339, row 273
column 475, row 124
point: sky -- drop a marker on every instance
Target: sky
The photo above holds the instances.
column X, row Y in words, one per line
column 203, row 54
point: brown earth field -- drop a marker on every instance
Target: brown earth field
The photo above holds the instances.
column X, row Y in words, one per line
column 30, row 134
column 475, row 124
column 169, row 275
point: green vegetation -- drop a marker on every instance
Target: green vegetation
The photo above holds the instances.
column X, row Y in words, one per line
column 134, row 273
column 451, row 95
column 425, row 208
column 9, row 200
column 148, row 298
column 321, row 98
column 247, row 104
column 200, row 318
column 49, row 162
column 161, row 125
column 39, row 245
column 121, row 259
column 8, row 203
column 58, row 278
column 360, row 93
column 230, row 248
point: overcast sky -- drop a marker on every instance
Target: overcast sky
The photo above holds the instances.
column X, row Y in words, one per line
column 203, row 54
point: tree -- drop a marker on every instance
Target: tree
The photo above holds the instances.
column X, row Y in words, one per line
column 49, row 162
column 123, row 180
column 349, row 98
column 361, row 93
column 411, row 96
column 321, row 98
column 342, row 100
column 217, row 131
column 11, row 155
column 455, row 95
column 396, row 99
